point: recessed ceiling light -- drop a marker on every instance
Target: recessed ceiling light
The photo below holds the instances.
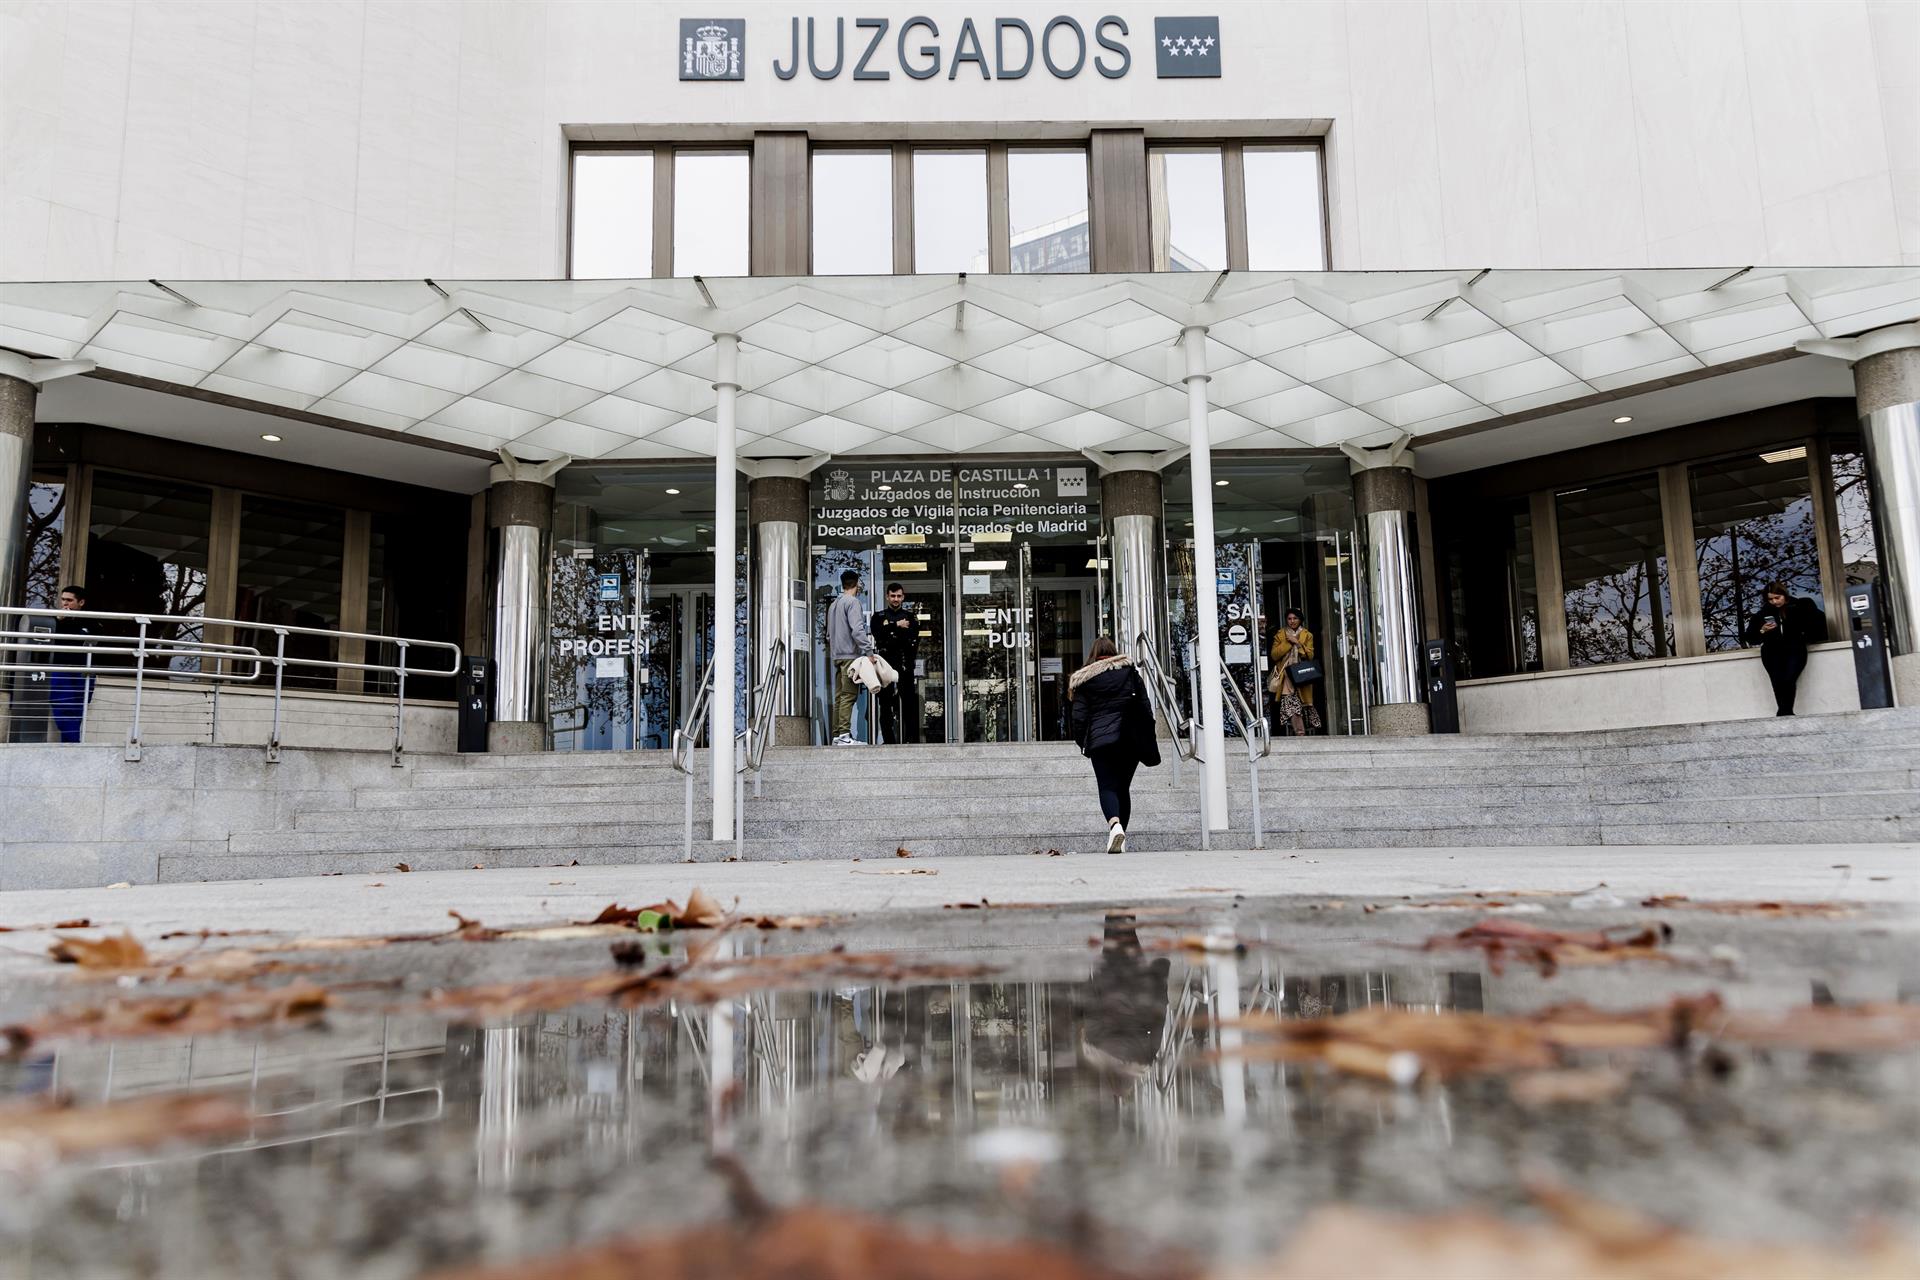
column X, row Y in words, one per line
column 673, row 491
column 1219, row 484
column 886, row 486
column 269, row 437
column 1793, row 454
column 1623, row 419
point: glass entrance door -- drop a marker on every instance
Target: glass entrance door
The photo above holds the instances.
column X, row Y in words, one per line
column 996, row 644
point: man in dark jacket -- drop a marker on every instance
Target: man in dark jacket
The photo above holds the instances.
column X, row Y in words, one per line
column 1113, row 723
column 68, row 692
column 896, row 635
column 1783, row 628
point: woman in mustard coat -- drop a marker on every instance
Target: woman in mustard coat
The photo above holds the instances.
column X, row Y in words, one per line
column 1293, row 705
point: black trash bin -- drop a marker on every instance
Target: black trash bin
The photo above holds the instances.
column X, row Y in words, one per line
column 476, row 702
column 1867, row 629
column 1443, row 698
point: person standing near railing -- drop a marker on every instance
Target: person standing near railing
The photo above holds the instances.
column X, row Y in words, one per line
column 1293, row 699
column 67, row 693
column 847, row 640
column 1113, row 723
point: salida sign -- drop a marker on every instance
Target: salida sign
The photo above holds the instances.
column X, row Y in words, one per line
column 990, row 48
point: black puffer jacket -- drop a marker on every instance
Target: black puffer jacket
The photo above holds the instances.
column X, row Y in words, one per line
column 1110, row 707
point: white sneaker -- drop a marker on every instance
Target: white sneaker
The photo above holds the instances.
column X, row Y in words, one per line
column 848, row 740
column 1116, row 838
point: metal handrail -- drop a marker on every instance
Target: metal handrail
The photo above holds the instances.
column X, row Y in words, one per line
column 686, row 735
column 1165, row 699
column 142, row 650
column 765, row 701
column 1259, row 739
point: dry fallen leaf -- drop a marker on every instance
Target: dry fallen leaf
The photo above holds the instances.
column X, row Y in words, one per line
column 813, row 1244
column 401, row 866
column 41, row 1132
column 1586, row 1240
column 1548, row 949
column 898, row 871
column 1766, row 910
column 224, row 1010
column 122, row 952
column 1836, row 1028
column 903, row 852
column 57, row 924
column 1574, row 1085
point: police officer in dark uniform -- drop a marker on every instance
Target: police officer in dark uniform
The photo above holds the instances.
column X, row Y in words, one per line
column 896, row 636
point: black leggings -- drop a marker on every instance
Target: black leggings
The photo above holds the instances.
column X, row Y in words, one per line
column 1784, row 672
column 1113, row 772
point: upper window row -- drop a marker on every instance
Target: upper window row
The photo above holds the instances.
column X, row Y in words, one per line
column 941, row 209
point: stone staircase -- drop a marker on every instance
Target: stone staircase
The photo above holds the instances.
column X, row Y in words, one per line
column 1818, row 779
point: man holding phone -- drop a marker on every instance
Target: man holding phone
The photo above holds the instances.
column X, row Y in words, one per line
column 1783, row 628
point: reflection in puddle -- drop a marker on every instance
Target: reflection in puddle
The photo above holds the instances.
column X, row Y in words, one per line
column 383, row 1145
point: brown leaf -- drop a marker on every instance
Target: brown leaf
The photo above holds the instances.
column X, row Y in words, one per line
column 471, row 930
column 1835, row 1028
column 57, row 924
column 122, row 952
column 701, row 912
column 1765, row 910
column 1586, row 1240
column 1551, row 1088
column 401, row 866
column 614, row 913
column 224, row 1010
column 43, row 1131
column 825, row 1243
column 1548, row 949
column 903, row 852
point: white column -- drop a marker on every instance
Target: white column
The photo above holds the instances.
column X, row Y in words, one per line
column 1213, row 737
column 726, row 351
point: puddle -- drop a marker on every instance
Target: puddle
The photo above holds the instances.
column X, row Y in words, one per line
column 1099, row 1081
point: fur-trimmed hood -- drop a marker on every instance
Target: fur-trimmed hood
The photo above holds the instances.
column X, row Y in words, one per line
column 1093, row 669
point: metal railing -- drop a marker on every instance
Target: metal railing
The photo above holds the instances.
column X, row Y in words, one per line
column 1253, row 729
column 209, row 662
column 1184, row 727
column 750, row 744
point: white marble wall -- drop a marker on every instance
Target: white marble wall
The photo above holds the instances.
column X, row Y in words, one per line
column 1721, row 686
column 341, row 138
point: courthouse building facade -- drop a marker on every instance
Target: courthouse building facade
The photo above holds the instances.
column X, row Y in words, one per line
column 560, row 330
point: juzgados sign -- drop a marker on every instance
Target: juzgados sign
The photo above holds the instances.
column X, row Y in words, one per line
column 992, row 48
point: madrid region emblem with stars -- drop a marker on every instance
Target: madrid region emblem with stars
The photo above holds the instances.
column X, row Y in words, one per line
column 1186, row 47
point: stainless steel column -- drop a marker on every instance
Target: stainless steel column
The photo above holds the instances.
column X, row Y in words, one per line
column 520, row 513
column 1132, row 500
column 1384, row 503
column 777, row 512
column 721, row 746
column 1886, row 394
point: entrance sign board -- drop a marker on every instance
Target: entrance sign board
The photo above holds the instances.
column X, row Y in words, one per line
column 1021, row 501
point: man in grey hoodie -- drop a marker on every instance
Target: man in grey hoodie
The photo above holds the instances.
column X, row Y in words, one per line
column 847, row 639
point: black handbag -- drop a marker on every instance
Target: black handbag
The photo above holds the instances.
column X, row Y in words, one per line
column 1305, row 672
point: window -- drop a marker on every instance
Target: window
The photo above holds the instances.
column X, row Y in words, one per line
column 1187, row 188
column 1284, row 226
column 1753, row 523
column 612, row 215
column 1047, row 211
column 949, row 211
column 1853, row 512
column 147, row 553
column 710, row 210
column 46, row 530
column 1613, row 567
column 852, row 213
column 288, row 574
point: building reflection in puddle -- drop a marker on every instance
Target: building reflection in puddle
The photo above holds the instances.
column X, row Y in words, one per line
column 1122, row 1048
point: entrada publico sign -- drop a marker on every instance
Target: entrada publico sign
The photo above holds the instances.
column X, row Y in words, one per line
column 992, row 48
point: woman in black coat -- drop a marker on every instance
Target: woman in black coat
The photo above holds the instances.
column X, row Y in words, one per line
column 1783, row 629
column 1113, row 723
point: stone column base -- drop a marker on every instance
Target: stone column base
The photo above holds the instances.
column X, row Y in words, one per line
column 1400, row 720
column 1906, row 679
column 516, row 737
column 792, row 731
